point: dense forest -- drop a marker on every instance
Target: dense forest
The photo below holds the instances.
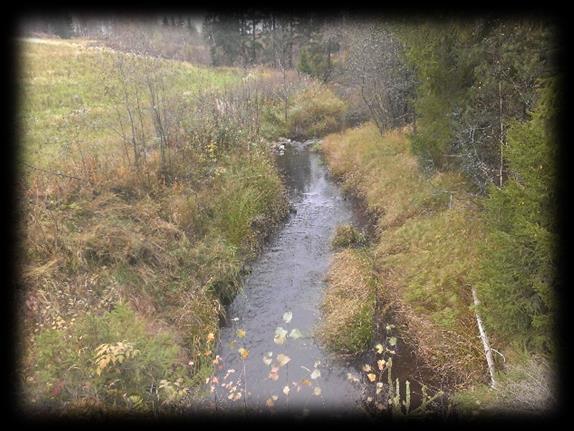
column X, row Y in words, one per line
column 151, row 184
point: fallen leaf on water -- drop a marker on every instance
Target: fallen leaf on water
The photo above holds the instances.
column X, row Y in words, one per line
column 379, row 348
column 210, row 336
column 315, row 374
column 366, row 368
column 269, row 402
column 295, row 333
column 241, row 333
column 286, row 390
column 392, row 341
column 287, row 316
column 274, row 397
column 317, row 391
column 282, row 359
column 316, row 364
column 379, row 387
column 267, row 361
column 372, row 377
column 280, row 334
column 381, row 364
column 306, row 382
column 244, row 353
column 273, row 374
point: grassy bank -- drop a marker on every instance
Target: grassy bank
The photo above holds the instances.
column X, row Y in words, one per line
column 428, row 230
column 146, row 187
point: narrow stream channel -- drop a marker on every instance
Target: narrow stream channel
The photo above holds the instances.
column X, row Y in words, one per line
column 289, row 278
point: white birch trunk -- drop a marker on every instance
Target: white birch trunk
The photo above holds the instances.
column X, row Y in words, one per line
column 484, row 338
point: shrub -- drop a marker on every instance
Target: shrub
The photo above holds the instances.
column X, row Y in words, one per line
column 110, row 361
column 315, row 112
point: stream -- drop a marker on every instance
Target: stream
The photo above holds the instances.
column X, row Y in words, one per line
column 284, row 290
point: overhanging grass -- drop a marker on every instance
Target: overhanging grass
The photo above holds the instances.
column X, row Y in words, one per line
column 349, row 303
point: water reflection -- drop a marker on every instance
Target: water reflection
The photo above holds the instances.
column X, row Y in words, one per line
column 295, row 167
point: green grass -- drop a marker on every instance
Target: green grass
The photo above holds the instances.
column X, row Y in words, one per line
column 69, row 83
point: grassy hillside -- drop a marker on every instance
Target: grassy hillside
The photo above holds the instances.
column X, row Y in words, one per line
column 126, row 269
column 66, row 89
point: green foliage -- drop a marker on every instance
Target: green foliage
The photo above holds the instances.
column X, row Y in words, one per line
column 110, row 360
column 314, row 62
column 443, row 74
column 517, row 280
column 473, row 78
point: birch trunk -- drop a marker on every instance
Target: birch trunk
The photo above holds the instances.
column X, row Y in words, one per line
column 484, row 338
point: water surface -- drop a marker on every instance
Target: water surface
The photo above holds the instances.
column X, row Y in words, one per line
column 289, row 277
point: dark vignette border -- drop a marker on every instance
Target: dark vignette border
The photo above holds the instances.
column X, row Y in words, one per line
column 11, row 172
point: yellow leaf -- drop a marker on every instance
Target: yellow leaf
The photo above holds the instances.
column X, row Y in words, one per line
column 282, row 359
column 372, row 377
column 243, row 352
column 317, row 391
column 286, row 390
column 280, row 334
column 241, row 333
column 366, row 368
